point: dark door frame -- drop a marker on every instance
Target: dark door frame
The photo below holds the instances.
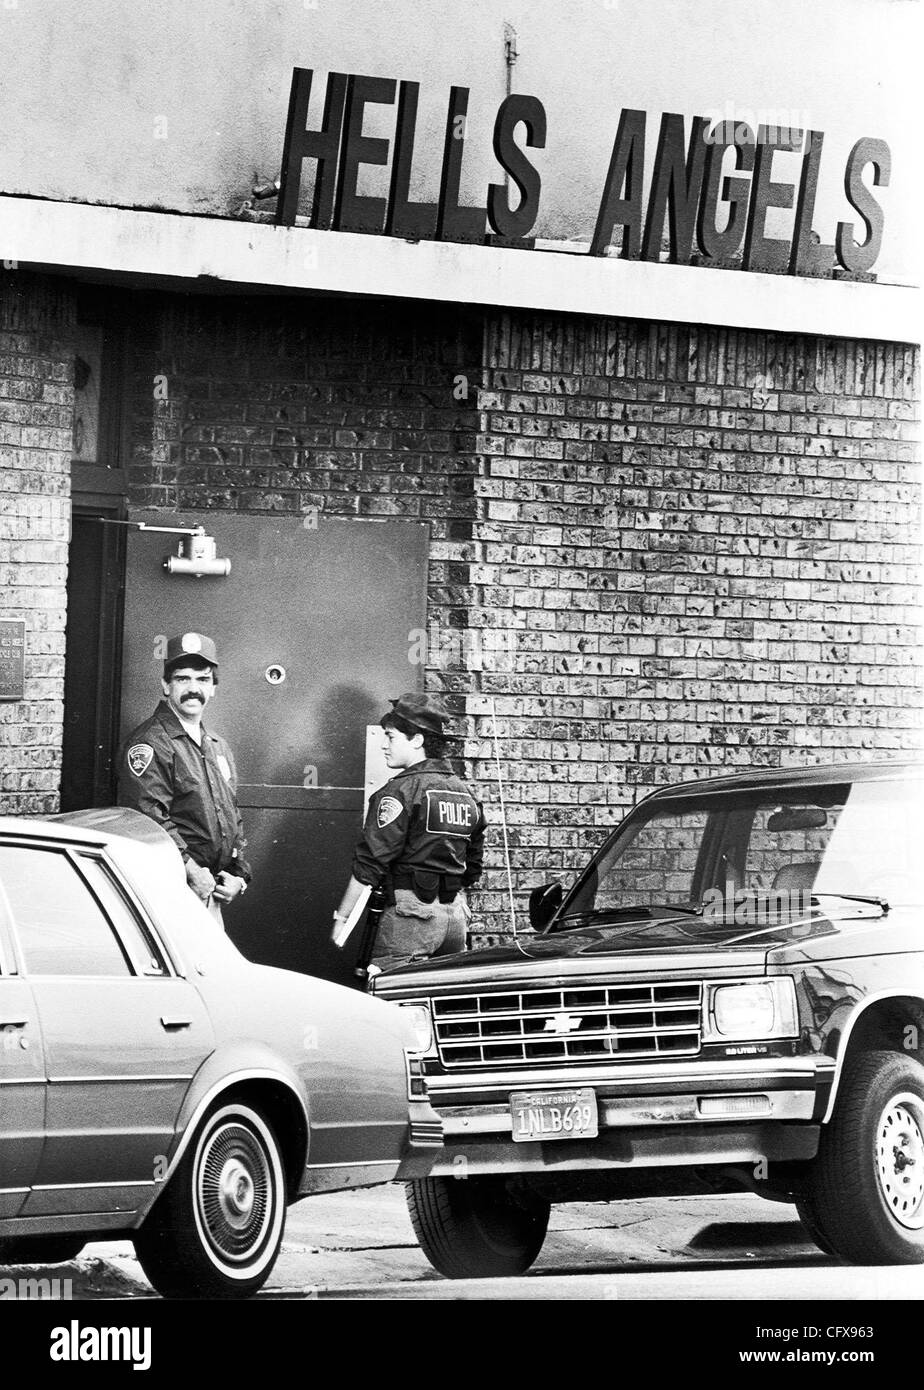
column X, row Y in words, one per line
column 99, row 494
column 93, row 673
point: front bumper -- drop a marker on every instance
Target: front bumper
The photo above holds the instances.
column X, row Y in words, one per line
column 696, row 1113
column 425, row 1139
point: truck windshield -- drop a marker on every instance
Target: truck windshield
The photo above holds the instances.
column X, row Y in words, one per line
column 780, row 848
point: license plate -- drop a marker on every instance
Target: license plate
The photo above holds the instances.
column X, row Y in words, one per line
column 544, row 1115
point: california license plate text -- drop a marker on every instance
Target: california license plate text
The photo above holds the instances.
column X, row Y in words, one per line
column 544, row 1115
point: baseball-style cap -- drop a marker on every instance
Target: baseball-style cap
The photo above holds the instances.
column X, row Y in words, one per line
column 190, row 644
column 426, row 712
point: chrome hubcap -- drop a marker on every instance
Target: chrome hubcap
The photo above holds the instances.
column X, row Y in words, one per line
column 234, row 1191
column 900, row 1159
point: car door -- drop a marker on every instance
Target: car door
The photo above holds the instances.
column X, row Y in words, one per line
column 123, row 1033
column 22, row 1079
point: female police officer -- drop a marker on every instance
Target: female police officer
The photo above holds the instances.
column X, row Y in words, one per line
column 423, row 840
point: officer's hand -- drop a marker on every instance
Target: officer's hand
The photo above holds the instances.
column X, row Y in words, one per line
column 200, row 880
column 228, row 887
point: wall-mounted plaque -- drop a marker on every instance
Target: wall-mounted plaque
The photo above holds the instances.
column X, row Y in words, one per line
column 12, row 648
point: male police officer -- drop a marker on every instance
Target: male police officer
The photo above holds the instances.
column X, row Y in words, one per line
column 173, row 770
column 423, row 837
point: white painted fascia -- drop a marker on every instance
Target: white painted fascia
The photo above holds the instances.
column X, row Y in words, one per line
column 146, row 244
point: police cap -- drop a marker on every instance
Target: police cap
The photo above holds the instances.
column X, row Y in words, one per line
column 426, row 712
column 190, row 646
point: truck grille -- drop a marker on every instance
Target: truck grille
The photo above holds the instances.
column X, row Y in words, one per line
column 545, row 1026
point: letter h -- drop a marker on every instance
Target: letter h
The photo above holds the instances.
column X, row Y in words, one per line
column 322, row 145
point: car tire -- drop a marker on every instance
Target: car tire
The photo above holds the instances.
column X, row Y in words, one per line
column 216, row 1230
column 864, row 1193
column 40, row 1250
column 472, row 1228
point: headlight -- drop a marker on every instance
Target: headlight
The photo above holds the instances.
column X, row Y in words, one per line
column 418, row 1015
column 758, row 1009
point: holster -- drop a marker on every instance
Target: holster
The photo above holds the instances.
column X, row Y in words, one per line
column 427, row 886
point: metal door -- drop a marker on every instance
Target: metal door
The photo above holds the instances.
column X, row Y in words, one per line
column 332, row 607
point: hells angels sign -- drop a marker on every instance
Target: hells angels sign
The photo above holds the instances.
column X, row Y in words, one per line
column 716, row 215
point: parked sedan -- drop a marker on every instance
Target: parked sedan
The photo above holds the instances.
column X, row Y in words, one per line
column 156, row 1085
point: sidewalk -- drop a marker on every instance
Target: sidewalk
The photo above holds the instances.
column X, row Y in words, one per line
column 364, row 1238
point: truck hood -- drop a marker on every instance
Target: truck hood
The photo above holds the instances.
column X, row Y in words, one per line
column 643, row 943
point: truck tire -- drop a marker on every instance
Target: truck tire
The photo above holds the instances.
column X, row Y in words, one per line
column 807, row 1217
column 471, row 1228
column 864, row 1195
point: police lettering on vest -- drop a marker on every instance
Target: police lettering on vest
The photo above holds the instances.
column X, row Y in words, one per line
column 450, row 813
column 425, row 820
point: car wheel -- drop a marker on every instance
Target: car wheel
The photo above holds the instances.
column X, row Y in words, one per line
column 471, row 1228
column 865, row 1189
column 216, row 1230
column 40, row 1250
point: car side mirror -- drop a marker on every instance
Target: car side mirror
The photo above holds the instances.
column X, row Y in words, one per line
column 544, row 902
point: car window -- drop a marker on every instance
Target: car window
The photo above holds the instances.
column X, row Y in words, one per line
column 657, row 864
column 145, row 954
column 60, row 926
column 787, row 846
column 7, row 959
column 876, row 845
column 790, row 843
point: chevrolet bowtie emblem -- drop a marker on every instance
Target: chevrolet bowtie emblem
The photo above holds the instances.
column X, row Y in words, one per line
column 562, row 1023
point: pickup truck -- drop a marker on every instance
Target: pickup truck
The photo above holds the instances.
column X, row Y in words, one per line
column 730, row 996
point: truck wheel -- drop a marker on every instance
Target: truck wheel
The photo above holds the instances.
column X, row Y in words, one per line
column 472, row 1228
column 806, row 1216
column 865, row 1190
column 216, row 1230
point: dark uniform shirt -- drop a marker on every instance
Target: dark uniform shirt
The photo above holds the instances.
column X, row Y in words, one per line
column 188, row 790
column 425, row 830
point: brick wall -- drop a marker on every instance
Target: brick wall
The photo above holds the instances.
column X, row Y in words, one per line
column 667, row 550
column 275, row 405
column 706, row 544
column 343, row 407
column 36, row 420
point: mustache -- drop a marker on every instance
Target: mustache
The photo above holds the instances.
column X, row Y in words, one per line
column 185, row 699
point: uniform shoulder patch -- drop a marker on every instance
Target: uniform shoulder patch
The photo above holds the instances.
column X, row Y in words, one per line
column 390, row 809
column 139, row 757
